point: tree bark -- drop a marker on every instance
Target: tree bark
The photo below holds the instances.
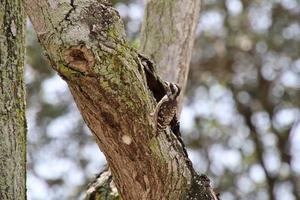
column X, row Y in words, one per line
column 110, row 81
column 12, row 101
column 168, row 39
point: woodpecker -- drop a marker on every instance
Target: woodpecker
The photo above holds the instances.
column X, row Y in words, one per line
column 166, row 108
column 165, row 94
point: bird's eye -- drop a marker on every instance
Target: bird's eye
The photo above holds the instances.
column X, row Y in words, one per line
column 173, row 88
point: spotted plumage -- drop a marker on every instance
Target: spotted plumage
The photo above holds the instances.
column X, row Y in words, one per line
column 165, row 94
column 166, row 108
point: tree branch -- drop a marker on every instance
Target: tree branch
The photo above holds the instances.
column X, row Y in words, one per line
column 167, row 36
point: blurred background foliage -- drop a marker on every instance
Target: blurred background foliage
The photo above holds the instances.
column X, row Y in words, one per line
column 240, row 121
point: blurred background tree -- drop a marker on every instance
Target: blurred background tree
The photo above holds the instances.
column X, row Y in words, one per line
column 240, row 121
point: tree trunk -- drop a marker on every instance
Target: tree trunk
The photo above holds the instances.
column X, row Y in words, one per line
column 169, row 45
column 117, row 90
column 12, row 102
column 167, row 37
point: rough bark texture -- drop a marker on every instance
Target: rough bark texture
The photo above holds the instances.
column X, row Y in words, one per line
column 12, row 102
column 167, row 37
column 85, row 44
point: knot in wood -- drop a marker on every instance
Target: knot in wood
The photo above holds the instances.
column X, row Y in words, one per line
column 79, row 58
